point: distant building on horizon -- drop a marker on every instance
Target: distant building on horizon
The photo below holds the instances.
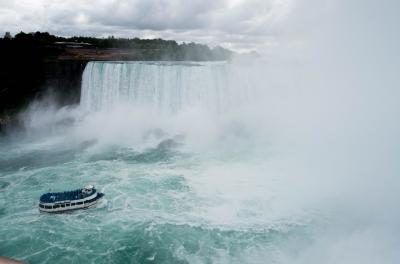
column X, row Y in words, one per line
column 7, row 35
column 67, row 44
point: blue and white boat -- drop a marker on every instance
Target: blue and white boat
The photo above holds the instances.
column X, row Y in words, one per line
column 71, row 200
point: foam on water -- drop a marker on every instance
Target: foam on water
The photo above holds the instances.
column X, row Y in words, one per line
column 184, row 181
column 160, row 206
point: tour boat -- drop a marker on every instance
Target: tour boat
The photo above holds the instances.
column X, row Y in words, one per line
column 71, row 200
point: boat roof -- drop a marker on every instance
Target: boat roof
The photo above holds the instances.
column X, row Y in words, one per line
column 64, row 196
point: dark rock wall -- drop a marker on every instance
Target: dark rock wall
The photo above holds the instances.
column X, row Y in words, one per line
column 63, row 79
column 30, row 80
column 28, row 71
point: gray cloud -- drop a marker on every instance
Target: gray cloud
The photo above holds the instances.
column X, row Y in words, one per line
column 235, row 24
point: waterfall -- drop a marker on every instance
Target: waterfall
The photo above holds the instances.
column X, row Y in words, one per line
column 165, row 86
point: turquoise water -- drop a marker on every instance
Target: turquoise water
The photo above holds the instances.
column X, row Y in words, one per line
column 186, row 166
column 153, row 211
column 202, row 163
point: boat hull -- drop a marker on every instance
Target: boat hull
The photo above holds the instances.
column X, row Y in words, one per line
column 60, row 207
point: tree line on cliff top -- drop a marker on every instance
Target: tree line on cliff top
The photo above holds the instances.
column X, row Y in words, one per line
column 151, row 49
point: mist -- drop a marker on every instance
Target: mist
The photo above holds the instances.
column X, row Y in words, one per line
column 342, row 128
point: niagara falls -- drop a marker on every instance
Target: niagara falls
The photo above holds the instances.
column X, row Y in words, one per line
column 253, row 131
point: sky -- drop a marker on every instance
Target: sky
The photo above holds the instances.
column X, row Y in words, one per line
column 240, row 25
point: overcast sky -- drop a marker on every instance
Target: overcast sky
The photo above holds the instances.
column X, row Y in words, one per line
column 241, row 25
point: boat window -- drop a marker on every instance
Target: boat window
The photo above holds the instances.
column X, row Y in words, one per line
column 67, row 205
column 47, row 206
column 56, row 206
column 72, row 204
column 41, row 205
column 79, row 203
column 63, row 205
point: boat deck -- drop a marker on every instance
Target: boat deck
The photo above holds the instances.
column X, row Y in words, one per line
column 63, row 196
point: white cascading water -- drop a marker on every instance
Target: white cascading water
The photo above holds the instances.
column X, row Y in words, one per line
column 168, row 87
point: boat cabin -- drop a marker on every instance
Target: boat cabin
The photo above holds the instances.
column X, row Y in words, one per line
column 63, row 201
